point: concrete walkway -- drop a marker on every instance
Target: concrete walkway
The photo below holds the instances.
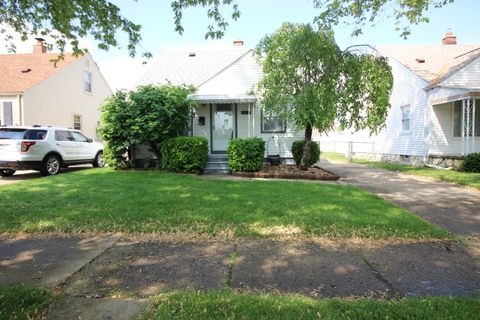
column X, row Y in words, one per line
column 117, row 276
column 448, row 205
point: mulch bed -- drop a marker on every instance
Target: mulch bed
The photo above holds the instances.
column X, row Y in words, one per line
column 286, row 171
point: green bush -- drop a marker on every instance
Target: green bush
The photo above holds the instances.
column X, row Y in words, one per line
column 147, row 115
column 246, row 155
column 472, row 163
column 185, row 154
column 297, row 151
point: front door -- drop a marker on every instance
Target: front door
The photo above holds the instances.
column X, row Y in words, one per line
column 222, row 126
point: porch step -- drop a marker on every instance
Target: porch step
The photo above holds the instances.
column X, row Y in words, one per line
column 217, row 163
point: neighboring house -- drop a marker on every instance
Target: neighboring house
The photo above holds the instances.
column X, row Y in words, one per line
column 36, row 91
column 435, row 107
column 227, row 107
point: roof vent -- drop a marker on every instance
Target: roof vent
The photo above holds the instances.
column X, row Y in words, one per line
column 26, row 70
column 449, row 38
column 192, row 54
column 420, row 60
column 238, row 43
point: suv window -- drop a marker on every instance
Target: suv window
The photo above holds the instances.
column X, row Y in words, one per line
column 35, row 134
column 62, row 135
column 78, row 137
column 12, row 133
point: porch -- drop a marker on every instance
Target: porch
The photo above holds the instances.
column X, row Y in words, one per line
column 455, row 127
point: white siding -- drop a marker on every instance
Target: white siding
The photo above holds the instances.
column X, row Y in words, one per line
column 276, row 143
column 407, row 90
column 55, row 100
column 16, row 112
column 467, row 77
column 197, row 129
column 238, row 78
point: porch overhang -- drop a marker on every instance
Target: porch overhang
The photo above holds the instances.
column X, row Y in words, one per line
column 448, row 99
column 223, row 98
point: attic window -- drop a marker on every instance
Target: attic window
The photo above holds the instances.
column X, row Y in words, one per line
column 192, row 54
column 420, row 60
column 26, row 70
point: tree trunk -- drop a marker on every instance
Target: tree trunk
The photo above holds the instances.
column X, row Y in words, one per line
column 306, row 148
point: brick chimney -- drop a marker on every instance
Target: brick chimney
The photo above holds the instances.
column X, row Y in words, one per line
column 238, row 43
column 449, row 38
column 40, row 47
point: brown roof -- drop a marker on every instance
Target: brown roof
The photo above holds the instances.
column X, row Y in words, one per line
column 438, row 60
column 13, row 80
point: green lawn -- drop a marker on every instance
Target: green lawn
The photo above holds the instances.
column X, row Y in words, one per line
column 23, row 302
column 104, row 200
column 226, row 305
column 462, row 178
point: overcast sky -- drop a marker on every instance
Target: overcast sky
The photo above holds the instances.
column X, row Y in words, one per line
column 259, row 18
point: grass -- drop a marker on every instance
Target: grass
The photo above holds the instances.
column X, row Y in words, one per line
column 104, row 200
column 462, row 178
column 23, row 302
column 226, row 305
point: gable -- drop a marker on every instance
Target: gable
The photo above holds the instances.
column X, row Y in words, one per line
column 238, row 78
column 20, row 72
column 467, row 77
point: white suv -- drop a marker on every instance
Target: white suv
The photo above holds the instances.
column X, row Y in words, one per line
column 46, row 149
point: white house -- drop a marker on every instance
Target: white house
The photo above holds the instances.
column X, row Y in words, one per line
column 435, row 107
column 227, row 107
column 34, row 90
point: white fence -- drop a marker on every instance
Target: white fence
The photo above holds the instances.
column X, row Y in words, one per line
column 347, row 147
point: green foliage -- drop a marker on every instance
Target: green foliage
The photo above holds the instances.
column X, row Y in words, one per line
column 359, row 13
column 246, row 155
column 185, row 154
column 472, row 163
column 309, row 81
column 297, row 152
column 23, row 302
column 148, row 115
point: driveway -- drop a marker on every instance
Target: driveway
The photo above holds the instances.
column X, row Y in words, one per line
column 30, row 174
column 448, row 205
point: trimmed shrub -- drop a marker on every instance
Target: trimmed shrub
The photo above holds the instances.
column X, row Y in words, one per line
column 297, row 151
column 185, row 154
column 472, row 163
column 246, row 155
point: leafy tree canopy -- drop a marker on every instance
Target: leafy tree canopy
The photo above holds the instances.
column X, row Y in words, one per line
column 309, row 81
column 405, row 12
column 66, row 21
column 148, row 115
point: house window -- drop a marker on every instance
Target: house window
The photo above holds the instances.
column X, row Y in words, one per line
column 87, row 81
column 457, row 119
column 405, row 118
column 272, row 124
column 77, row 122
column 7, row 114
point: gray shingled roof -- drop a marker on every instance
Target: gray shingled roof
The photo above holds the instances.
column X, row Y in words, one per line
column 178, row 67
column 440, row 60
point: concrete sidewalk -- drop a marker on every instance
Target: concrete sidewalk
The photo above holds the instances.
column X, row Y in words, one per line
column 448, row 205
column 91, row 272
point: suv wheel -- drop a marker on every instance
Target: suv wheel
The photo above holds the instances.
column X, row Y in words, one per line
column 98, row 162
column 6, row 172
column 51, row 165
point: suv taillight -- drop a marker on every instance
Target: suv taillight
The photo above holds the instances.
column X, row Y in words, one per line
column 26, row 145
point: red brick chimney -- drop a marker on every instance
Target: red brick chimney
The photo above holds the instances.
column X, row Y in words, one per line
column 238, row 43
column 449, row 38
column 40, row 47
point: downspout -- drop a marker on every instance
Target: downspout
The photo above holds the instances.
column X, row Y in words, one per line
column 20, row 109
column 427, row 125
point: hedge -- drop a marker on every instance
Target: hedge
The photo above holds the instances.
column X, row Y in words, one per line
column 297, row 151
column 472, row 163
column 246, row 155
column 185, row 154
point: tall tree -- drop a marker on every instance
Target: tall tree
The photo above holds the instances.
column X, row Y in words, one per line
column 309, row 81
